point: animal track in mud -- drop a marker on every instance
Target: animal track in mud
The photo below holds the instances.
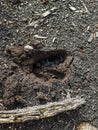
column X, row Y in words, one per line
column 55, row 65
column 44, row 64
column 34, row 68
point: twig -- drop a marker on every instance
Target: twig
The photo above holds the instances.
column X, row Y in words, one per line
column 41, row 111
column 43, row 17
column 86, row 9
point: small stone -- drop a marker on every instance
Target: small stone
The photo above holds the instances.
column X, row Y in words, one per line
column 72, row 8
column 5, row 65
column 28, row 48
column 91, row 38
column 86, row 126
column 0, row 23
column 96, row 34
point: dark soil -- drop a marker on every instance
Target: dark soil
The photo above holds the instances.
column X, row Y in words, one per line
column 63, row 60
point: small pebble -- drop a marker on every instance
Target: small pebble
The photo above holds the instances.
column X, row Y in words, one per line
column 96, row 34
column 91, row 38
column 27, row 48
column 86, row 126
column 72, row 8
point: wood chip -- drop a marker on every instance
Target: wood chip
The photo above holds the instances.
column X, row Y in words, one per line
column 40, row 37
column 34, row 23
column 48, row 12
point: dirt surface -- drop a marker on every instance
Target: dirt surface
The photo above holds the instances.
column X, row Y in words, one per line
column 49, row 52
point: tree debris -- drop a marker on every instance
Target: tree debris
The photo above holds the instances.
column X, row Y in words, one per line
column 43, row 16
column 48, row 12
column 40, row 37
column 85, row 7
column 41, row 111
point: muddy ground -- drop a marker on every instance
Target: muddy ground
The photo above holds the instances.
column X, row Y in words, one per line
column 70, row 26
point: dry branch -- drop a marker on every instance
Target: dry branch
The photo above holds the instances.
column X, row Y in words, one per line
column 41, row 111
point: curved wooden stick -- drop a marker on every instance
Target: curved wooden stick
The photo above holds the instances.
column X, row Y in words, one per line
column 41, row 111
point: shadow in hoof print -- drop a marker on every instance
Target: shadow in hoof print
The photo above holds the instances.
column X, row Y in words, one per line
column 45, row 64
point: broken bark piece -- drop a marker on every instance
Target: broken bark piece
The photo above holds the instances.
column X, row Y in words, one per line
column 41, row 111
